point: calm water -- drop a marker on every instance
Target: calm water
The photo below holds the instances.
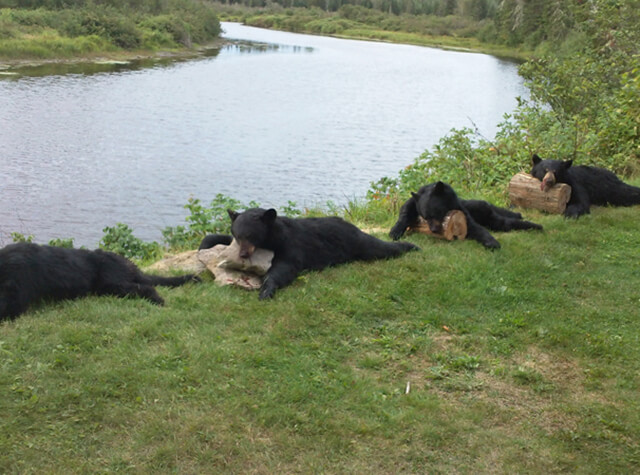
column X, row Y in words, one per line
column 301, row 118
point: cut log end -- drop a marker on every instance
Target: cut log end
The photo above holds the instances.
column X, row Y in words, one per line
column 454, row 226
column 525, row 192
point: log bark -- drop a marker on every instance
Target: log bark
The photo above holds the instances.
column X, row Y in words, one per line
column 525, row 192
column 454, row 226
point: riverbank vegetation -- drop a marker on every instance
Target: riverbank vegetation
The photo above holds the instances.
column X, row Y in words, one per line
column 453, row 359
column 63, row 30
column 507, row 28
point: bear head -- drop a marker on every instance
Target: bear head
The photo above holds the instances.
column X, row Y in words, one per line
column 434, row 202
column 550, row 172
column 252, row 229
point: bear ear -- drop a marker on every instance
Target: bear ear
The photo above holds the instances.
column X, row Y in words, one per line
column 415, row 196
column 439, row 188
column 269, row 216
column 233, row 215
column 568, row 164
column 536, row 159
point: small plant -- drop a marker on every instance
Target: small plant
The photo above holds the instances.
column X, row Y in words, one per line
column 120, row 239
column 291, row 211
column 62, row 242
column 203, row 220
column 19, row 237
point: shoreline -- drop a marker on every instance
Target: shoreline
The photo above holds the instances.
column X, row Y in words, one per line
column 446, row 43
column 12, row 66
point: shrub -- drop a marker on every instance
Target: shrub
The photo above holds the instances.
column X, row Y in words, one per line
column 174, row 27
column 119, row 29
column 120, row 239
column 62, row 242
column 203, row 220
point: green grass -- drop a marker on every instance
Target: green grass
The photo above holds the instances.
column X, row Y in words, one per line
column 49, row 44
column 523, row 360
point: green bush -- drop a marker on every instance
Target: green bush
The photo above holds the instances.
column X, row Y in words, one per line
column 62, row 242
column 19, row 237
column 203, row 220
column 211, row 219
column 329, row 26
column 119, row 29
column 46, row 33
column 120, row 239
column 176, row 29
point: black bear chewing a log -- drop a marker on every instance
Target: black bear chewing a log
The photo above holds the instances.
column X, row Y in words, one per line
column 434, row 201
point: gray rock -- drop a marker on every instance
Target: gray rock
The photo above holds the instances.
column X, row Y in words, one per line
column 224, row 262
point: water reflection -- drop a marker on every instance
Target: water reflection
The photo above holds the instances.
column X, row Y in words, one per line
column 272, row 117
column 88, row 68
column 250, row 47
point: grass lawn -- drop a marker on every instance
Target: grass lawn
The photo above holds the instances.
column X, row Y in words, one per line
column 451, row 360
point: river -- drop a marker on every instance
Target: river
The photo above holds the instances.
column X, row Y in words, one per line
column 273, row 117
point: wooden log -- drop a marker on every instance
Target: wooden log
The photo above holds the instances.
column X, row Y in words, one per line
column 454, row 226
column 525, row 192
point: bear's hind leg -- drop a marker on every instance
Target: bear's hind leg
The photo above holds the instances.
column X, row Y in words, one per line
column 624, row 195
column 12, row 306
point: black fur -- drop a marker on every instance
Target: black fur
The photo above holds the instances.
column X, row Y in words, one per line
column 211, row 240
column 432, row 202
column 589, row 185
column 30, row 273
column 305, row 244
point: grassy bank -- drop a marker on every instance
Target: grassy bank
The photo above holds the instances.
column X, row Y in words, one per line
column 454, row 359
column 90, row 31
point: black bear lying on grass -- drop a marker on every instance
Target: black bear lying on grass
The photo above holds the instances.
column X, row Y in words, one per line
column 301, row 244
column 30, row 273
column 434, row 201
column 589, row 185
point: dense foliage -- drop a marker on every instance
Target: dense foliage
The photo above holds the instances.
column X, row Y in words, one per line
column 43, row 29
column 515, row 23
column 584, row 105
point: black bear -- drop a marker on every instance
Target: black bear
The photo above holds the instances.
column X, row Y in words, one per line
column 301, row 244
column 31, row 272
column 589, row 185
column 432, row 202
column 211, row 240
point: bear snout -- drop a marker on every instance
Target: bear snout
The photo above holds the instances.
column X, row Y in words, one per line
column 548, row 181
column 246, row 249
column 435, row 226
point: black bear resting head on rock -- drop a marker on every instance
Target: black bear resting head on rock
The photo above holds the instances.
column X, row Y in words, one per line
column 303, row 244
column 589, row 185
column 434, row 201
column 253, row 230
column 30, row 273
